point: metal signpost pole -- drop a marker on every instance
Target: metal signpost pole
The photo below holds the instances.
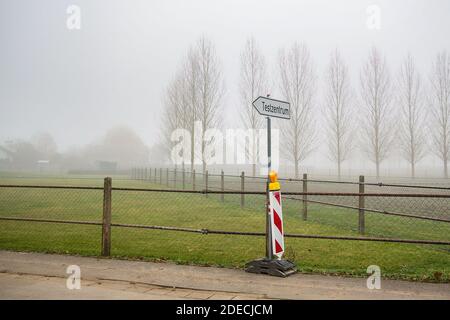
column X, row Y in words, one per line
column 269, row 167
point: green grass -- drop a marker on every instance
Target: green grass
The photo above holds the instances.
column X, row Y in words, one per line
column 400, row 261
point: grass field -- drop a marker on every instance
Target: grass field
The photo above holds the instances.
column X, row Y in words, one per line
column 405, row 261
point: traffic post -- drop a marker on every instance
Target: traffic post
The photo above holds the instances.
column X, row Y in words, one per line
column 276, row 216
column 272, row 264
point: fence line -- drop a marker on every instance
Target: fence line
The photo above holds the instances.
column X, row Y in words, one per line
column 48, row 187
column 204, row 191
column 378, row 184
column 107, row 223
column 362, row 194
column 224, row 232
column 52, row 221
column 374, row 210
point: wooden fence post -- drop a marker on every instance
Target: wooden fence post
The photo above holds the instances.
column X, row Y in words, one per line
column 184, row 177
column 206, row 183
column 167, row 176
column 149, row 174
column 193, row 179
column 361, row 224
column 222, row 186
column 242, row 189
column 305, row 196
column 155, row 176
column 160, row 176
column 106, row 224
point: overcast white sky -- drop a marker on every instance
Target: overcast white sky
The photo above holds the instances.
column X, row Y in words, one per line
column 76, row 84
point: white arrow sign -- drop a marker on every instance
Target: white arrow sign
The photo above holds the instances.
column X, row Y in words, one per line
column 272, row 108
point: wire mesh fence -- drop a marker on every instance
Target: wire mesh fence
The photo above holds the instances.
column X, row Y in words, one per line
column 365, row 208
column 233, row 208
column 217, row 217
column 54, row 218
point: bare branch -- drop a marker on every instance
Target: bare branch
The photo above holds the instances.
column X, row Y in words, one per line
column 253, row 83
column 439, row 101
column 194, row 95
column 409, row 96
column 297, row 85
column 211, row 89
column 337, row 110
column 377, row 122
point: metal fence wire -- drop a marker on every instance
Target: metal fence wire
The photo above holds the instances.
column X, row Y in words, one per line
column 63, row 219
column 179, row 211
column 369, row 208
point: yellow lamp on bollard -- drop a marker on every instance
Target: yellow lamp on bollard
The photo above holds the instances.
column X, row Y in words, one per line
column 274, row 185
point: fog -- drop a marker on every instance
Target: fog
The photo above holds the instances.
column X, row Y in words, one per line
column 113, row 72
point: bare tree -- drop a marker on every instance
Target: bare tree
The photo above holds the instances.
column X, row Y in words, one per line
column 297, row 86
column 174, row 110
column 210, row 90
column 191, row 76
column 253, row 83
column 440, row 108
column 377, row 122
column 412, row 137
column 194, row 95
column 337, row 110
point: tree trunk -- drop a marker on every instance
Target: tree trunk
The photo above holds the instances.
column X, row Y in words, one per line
column 192, row 148
column 446, row 168
column 339, row 171
column 378, row 169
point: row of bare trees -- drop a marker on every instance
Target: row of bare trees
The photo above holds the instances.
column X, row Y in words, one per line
column 194, row 95
column 386, row 115
column 405, row 112
column 402, row 113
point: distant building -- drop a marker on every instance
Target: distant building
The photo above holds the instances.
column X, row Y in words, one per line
column 106, row 166
column 6, row 158
column 43, row 165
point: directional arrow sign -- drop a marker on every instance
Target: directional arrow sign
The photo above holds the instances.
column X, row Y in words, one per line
column 272, row 108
